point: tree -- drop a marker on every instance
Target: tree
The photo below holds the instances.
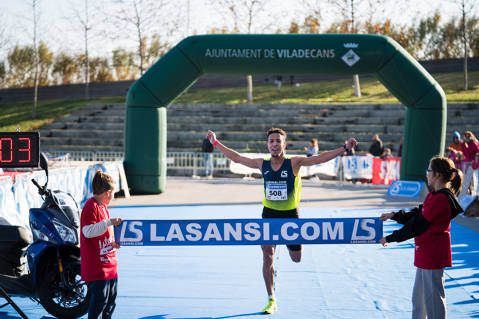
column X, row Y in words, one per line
column 3, row 72
column 100, row 70
column 312, row 19
column 124, row 64
column 312, row 22
column 155, row 50
column 21, row 63
column 65, row 68
column 293, row 27
column 45, row 62
column 358, row 15
column 243, row 13
column 465, row 8
column 140, row 18
column 472, row 27
column 401, row 34
column 427, row 37
column 348, row 11
column 450, row 39
column 3, row 34
column 36, row 16
column 84, row 21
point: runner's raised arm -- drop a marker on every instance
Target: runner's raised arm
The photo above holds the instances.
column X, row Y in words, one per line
column 323, row 157
column 232, row 154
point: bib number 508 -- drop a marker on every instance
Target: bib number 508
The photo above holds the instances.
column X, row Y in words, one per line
column 275, row 193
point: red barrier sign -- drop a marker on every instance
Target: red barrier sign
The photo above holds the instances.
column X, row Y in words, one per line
column 386, row 170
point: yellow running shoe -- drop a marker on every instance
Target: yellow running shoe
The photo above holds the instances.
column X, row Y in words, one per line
column 271, row 307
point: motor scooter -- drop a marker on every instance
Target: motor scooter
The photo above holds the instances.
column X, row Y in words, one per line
column 47, row 269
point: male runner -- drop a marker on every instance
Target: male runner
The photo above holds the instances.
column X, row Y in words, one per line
column 282, row 191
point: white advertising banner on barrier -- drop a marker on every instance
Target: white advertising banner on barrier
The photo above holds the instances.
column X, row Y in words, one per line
column 8, row 208
column 329, row 168
column 244, row 170
column 17, row 199
column 357, row 167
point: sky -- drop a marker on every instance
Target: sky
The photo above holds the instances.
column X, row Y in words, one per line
column 59, row 26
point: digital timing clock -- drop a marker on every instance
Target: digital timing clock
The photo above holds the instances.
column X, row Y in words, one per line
column 19, row 149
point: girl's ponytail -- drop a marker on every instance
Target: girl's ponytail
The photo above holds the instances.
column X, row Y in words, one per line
column 445, row 167
column 456, row 181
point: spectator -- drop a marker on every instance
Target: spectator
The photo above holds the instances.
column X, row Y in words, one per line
column 99, row 265
column 376, row 148
column 291, row 80
column 456, row 141
column 470, row 147
column 475, row 163
column 207, row 149
column 459, row 161
column 278, row 81
column 349, row 152
column 429, row 225
column 387, row 153
column 400, row 147
column 313, row 148
column 452, row 154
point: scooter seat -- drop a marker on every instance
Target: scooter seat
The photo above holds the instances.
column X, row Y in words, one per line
column 13, row 240
column 14, row 235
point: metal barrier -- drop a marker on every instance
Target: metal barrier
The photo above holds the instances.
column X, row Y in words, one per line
column 195, row 161
column 85, row 156
column 175, row 160
column 193, row 164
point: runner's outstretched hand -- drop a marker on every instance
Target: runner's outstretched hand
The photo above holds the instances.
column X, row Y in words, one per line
column 211, row 136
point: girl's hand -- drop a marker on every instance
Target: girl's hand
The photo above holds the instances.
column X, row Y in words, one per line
column 386, row 216
column 383, row 242
column 115, row 245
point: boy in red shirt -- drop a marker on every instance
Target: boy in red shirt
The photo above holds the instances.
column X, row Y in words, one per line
column 97, row 248
column 429, row 224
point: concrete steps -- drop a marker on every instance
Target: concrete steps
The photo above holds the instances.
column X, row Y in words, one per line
column 99, row 127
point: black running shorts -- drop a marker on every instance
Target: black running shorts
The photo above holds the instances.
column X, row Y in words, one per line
column 273, row 213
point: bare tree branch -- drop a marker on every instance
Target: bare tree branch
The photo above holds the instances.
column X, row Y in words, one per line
column 140, row 19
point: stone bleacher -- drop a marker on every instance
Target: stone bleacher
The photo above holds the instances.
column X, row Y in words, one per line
column 99, row 127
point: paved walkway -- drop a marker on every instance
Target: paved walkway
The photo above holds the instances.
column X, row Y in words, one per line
column 188, row 191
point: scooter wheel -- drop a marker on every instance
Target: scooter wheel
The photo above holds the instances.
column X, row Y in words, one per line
column 64, row 301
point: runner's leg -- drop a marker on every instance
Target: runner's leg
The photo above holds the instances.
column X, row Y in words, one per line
column 295, row 252
column 268, row 267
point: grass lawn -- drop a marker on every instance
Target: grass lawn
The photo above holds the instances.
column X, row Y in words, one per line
column 13, row 115
column 327, row 92
column 18, row 115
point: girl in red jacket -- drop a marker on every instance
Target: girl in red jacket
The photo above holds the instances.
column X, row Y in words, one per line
column 429, row 224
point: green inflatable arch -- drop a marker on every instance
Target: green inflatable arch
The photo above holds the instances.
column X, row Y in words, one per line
column 341, row 54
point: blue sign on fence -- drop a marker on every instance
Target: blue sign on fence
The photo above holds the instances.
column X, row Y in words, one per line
column 249, row 231
column 405, row 188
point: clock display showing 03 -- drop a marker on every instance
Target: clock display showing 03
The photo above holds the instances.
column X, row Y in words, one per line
column 19, row 149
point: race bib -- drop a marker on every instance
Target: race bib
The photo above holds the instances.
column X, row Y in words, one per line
column 276, row 191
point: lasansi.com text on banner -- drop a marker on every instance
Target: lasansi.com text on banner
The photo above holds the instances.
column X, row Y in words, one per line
column 364, row 230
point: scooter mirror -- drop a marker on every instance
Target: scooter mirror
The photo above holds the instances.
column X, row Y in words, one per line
column 44, row 163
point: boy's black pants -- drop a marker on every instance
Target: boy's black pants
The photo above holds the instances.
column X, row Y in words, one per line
column 103, row 296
